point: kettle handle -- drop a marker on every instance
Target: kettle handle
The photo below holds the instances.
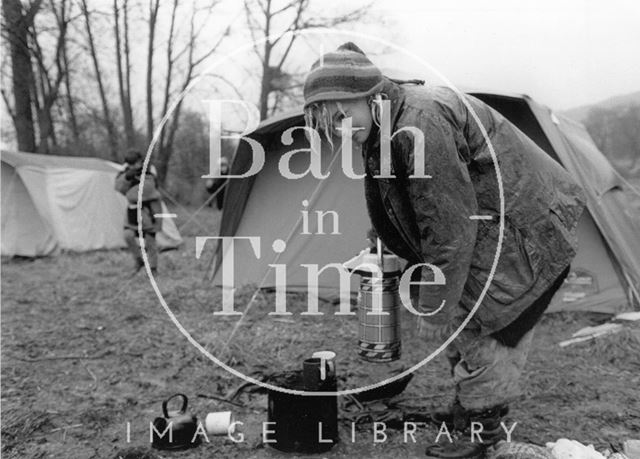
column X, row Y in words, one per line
column 185, row 401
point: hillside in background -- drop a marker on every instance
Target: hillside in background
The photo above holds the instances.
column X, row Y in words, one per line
column 581, row 113
column 614, row 125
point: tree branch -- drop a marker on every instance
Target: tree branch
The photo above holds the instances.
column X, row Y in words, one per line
column 286, row 7
column 223, row 79
column 253, row 26
column 213, row 49
column 103, row 97
column 351, row 16
column 30, row 13
column 293, row 27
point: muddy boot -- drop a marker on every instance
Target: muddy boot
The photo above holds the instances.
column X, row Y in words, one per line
column 447, row 416
column 477, row 431
column 456, row 417
column 485, row 426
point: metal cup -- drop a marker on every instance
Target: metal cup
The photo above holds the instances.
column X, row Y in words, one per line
column 327, row 364
column 311, row 373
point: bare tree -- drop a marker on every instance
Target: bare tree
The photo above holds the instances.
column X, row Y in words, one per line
column 17, row 23
column 73, row 121
column 111, row 132
column 37, row 70
column 127, row 70
column 48, row 81
column 90, row 108
column 154, row 5
column 263, row 18
column 124, row 79
column 176, row 80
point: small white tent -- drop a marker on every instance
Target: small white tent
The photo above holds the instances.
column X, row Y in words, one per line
column 605, row 274
column 52, row 203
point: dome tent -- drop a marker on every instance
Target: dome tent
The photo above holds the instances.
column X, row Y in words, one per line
column 52, row 203
column 605, row 274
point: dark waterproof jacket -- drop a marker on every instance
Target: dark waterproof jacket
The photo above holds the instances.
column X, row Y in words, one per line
column 431, row 220
column 150, row 205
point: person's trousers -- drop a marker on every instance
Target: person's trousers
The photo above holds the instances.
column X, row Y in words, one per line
column 131, row 237
column 487, row 370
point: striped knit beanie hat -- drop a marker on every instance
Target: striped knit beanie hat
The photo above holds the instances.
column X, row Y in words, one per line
column 346, row 73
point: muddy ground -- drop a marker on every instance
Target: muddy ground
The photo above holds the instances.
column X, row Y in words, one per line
column 87, row 350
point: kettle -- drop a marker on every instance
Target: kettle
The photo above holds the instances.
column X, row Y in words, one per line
column 176, row 430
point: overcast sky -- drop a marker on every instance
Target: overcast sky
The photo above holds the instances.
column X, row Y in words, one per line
column 563, row 53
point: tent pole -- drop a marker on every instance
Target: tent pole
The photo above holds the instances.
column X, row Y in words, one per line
column 213, row 195
column 168, row 196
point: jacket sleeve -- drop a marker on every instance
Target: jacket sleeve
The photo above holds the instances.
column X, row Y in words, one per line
column 122, row 185
column 442, row 205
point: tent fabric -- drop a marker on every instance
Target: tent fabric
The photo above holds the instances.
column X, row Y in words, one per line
column 52, row 203
column 239, row 190
column 20, row 159
column 613, row 202
column 279, row 215
column 613, row 207
column 23, row 232
column 604, row 273
column 594, row 282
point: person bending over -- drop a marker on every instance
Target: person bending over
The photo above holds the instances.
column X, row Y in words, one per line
column 434, row 199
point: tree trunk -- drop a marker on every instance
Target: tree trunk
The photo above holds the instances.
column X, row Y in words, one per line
column 265, row 89
column 45, row 128
column 125, row 102
column 127, row 73
column 43, row 88
column 70, row 103
column 162, row 163
column 166, row 149
column 265, row 84
column 153, row 14
column 22, row 73
column 113, row 141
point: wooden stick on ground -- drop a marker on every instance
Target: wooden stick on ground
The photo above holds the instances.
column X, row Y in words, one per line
column 221, row 399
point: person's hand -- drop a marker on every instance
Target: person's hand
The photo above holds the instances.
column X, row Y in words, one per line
column 132, row 173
